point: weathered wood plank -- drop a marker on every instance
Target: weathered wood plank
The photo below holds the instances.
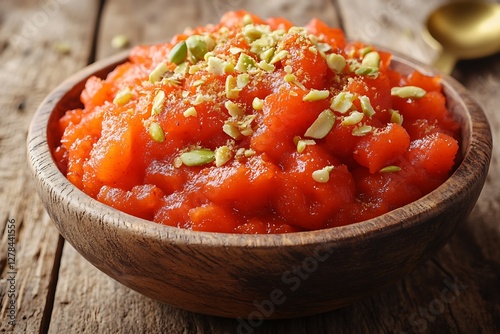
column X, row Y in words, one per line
column 30, row 66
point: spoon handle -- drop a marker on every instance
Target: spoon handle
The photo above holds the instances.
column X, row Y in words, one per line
column 445, row 62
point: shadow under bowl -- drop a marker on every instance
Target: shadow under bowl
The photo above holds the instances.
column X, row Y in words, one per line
column 266, row 276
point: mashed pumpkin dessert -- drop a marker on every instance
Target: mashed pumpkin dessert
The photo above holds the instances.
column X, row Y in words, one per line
column 258, row 126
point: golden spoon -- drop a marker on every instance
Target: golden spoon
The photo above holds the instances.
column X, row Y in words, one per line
column 464, row 30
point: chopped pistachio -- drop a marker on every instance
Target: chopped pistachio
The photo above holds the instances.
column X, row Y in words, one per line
column 353, row 65
column 158, row 72
column 366, row 106
column 301, row 146
column 354, row 118
column 240, row 153
column 265, row 66
column 313, row 38
column 193, row 69
column 156, row 132
column 246, row 131
column 231, row 130
column 182, row 69
column 178, row 53
column 233, row 109
column 299, row 84
column 321, row 126
column 190, row 112
column 170, row 79
column 235, row 50
column 228, row 67
column 267, row 55
column 303, row 143
column 199, row 100
column 245, row 125
column 316, row 95
column 290, row 78
column 232, row 90
column 177, row 162
column 119, row 41
column 257, row 103
column 365, row 50
column 210, row 43
column 390, row 169
column 324, row 47
column 252, row 32
column 367, row 71
column 249, row 153
column 298, row 30
column 197, row 47
column 351, row 52
column 262, row 46
column 342, row 102
column 396, row 117
column 222, row 155
column 371, row 59
column 208, row 55
column 247, row 19
column 218, row 66
column 224, row 30
column 288, row 69
column 408, row 92
column 336, row 62
column 123, row 96
column 242, row 80
column 362, row 130
column 197, row 157
column 158, row 102
column 245, row 63
column 198, row 83
column 279, row 56
column 62, row 47
column 322, row 175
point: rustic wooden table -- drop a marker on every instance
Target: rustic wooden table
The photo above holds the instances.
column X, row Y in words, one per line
column 57, row 291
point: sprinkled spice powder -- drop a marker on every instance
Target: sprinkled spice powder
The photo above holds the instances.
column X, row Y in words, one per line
column 258, row 126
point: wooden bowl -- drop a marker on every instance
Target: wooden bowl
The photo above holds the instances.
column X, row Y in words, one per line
column 258, row 277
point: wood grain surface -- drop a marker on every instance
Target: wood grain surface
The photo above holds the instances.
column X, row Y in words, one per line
column 33, row 36
column 30, row 66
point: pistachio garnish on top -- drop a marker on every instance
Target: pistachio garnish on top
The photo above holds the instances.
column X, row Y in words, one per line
column 408, row 92
column 178, row 53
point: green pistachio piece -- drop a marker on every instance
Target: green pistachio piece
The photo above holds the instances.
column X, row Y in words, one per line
column 321, row 126
column 156, row 132
column 336, row 62
column 158, row 72
column 342, row 102
column 158, row 102
column 197, row 47
column 366, row 106
column 178, row 53
column 197, row 157
column 245, row 63
column 354, row 118
column 322, row 175
column 408, row 92
column 390, row 169
column 316, row 95
column 371, row 59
